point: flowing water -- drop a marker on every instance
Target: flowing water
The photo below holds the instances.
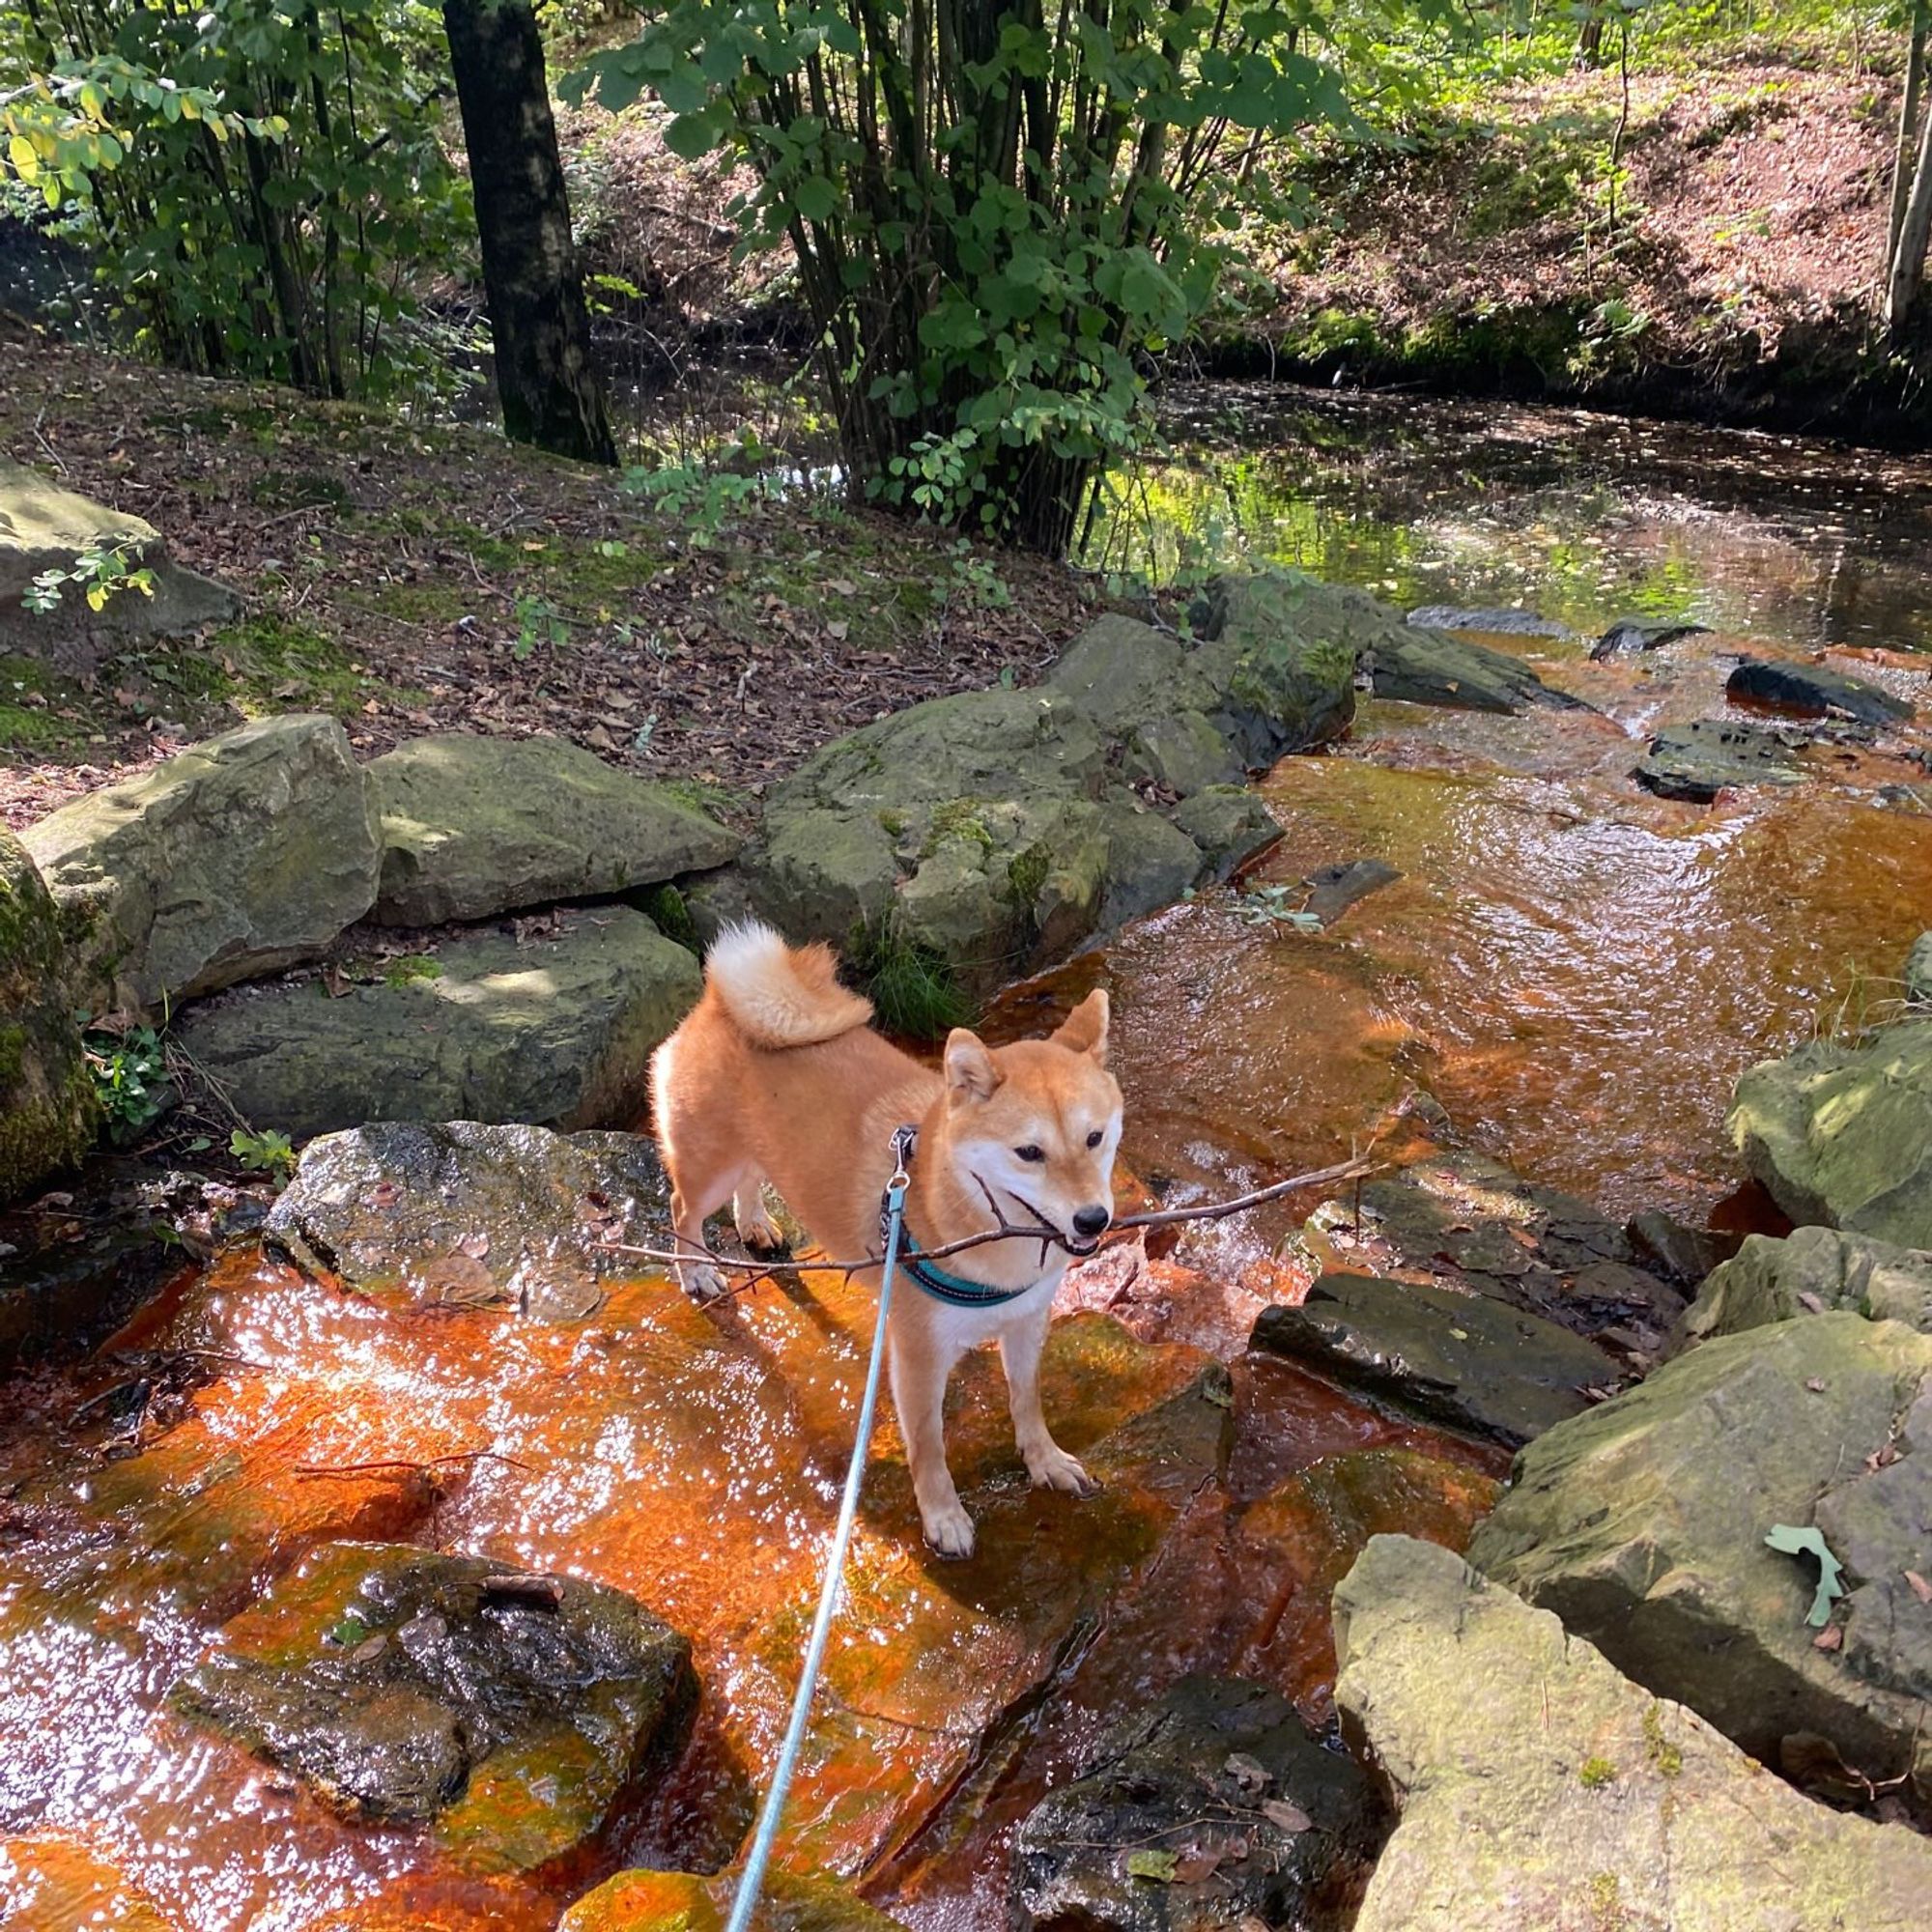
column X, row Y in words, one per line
column 1572, row 970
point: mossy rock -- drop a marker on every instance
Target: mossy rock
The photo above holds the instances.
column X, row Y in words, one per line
column 47, row 1109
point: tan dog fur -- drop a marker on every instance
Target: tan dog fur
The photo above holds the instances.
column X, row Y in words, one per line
column 777, row 1076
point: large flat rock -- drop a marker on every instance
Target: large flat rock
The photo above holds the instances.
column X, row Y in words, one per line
column 475, row 826
column 241, row 856
column 1463, row 1359
column 46, row 1101
column 1541, row 1791
column 1840, row 1132
column 479, row 1215
column 555, row 1030
column 1642, row 1525
column 1695, row 762
column 1430, row 667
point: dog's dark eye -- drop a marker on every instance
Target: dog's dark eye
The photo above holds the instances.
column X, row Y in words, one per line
column 1029, row 1152
column 1095, row 1138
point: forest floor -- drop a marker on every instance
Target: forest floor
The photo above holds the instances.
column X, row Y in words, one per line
column 416, row 579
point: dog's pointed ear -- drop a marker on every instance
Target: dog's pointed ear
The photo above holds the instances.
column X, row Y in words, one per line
column 1084, row 1028
column 970, row 1072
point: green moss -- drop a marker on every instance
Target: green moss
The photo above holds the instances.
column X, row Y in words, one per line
column 38, row 727
column 433, row 602
column 719, row 800
column 297, row 490
column 12, row 1053
column 1594, row 1773
column 412, row 967
column 665, row 908
column 893, row 824
column 1026, row 875
column 1607, row 1910
column 1667, row 1758
column 958, row 819
column 271, row 654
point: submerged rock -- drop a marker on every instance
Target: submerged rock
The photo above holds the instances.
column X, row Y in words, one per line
column 475, row 826
column 1495, row 621
column 1696, row 761
column 1630, row 636
column 1841, row 1133
column 239, row 857
column 1539, row 1789
column 1809, row 1272
column 460, row 1213
column 1642, row 1525
column 556, row 1028
column 1333, row 889
column 1213, row 1806
column 47, row 1109
column 509, row 1711
column 1433, row 667
column 678, row 1901
column 1811, row 691
column 1461, row 1359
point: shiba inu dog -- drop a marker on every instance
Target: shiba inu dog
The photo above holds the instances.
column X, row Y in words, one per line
column 776, row 1075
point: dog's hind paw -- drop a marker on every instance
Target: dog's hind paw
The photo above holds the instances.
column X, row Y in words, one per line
column 1053, row 1469
column 701, row 1281
column 759, row 1231
column 949, row 1529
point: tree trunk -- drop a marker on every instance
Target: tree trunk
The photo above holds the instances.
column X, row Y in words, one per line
column 1907, row 267
column 1908, row 131
column 1590, row 42
column 538, row 322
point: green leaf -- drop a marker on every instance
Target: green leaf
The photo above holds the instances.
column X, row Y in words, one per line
column 815, row 197
column 1160, row 1865
column 1790, row 1542
column 691, row 135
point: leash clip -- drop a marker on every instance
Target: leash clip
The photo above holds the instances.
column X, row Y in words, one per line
column 904, row 1141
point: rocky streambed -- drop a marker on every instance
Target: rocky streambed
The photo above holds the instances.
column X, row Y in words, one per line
column 415, row 1559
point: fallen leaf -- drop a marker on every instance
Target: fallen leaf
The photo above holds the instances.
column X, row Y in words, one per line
column 1810, row 1300
column 844, row 587
column 1290, row 1818
column 384, row 1194
column 1191, row 1867
column 1831, row 1638
column 1788, row 1541
column 838, row 632
column 1920, row 1588
column 369, row 1647
column 1247, row 1771
column 1816, row 1386
column 476, row 1247
column 1152, row 1864
column 335, row 982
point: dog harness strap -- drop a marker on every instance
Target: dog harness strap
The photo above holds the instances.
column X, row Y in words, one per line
column 955, row 1291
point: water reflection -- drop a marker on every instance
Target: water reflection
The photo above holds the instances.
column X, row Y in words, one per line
column 1583, row 516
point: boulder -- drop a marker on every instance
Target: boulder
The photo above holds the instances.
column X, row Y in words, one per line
column 44, row 528
column 1542, row 1792
column 48, row 1111
column 1642, row 1525
column 1461, row 1359
column 679, row 1901
column 1811, row 691
column 556, row 1030
column 239, row 857
column 1918, row 971
column 1213, row 1806
column 1434, row 667
column 1696, row 761
column 1840, row 1132
column 506, row 1711
column 477, row 1214
column 1630, row 636
column 1809, row 1273
column 474, row 825
column 997, row 829
column 1494, row 621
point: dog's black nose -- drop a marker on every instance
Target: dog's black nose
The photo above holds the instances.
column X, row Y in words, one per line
column 1092, row 1221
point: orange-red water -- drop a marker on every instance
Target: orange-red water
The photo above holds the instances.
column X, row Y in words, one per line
column 1575, row 970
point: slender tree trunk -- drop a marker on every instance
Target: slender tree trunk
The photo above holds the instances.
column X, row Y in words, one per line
column 538, row 321
column 1590, row 42
column 1907, row 267
column 1908, row 130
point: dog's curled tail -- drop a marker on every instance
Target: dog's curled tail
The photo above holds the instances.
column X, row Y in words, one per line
column 780, row 994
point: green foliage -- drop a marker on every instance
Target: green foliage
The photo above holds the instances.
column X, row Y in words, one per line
column 911, row 988
column 130, row 1080
column 997, row 212
column 100, row 572
column 705, row 492
column 1267, row 908
column 539, row 622
column 267, row 1152
column 256, row 178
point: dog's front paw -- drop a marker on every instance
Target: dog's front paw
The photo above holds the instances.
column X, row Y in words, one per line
column 1053, row 1469
column 947, row 1528
column 701, row 1281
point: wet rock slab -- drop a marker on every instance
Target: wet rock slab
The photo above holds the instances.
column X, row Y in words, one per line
column 1695, row 762
column 1332, row 889
column 506, row 1710
column 1494, row 621
column 1629, row 636
column 1430, row 667
column 554, row 1027
column 1213, row 1806
column 474, row 1215
column 1840, row 1132
column 1539, row 1789
column 1464, row 1360
column 677, row 1901
column 1642, row 1525
column 1811, row 691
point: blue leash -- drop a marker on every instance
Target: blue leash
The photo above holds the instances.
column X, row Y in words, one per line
column 759, row 1856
